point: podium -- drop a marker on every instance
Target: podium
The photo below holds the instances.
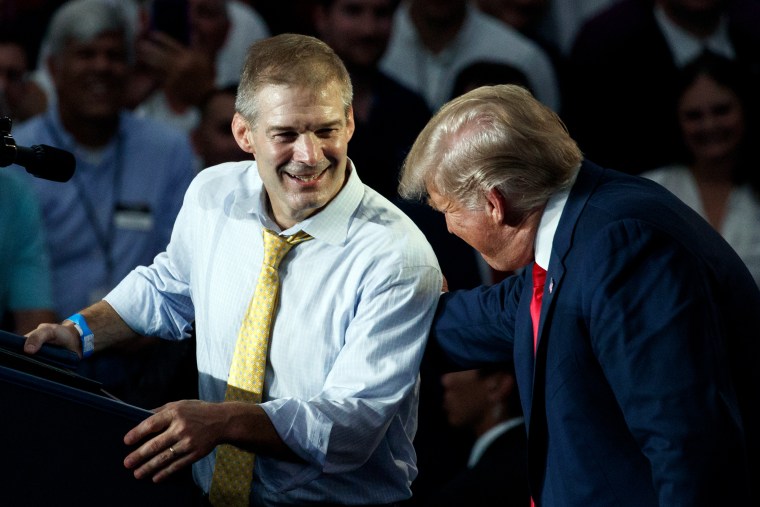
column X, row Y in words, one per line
column 61, row 437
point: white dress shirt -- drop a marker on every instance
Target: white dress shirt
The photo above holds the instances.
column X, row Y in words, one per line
column 547, row 227
column 741, row 224
column 686, row 47
column 480, row 39
column 486, row 439
column 355, row 306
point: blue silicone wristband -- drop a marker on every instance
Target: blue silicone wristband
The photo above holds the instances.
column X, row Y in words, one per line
column 88, row 339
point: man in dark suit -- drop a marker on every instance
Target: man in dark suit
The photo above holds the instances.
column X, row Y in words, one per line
column 638, row 375
column 621, row 86
column 485, row 401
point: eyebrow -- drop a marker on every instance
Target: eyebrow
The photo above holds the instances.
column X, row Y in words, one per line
column 286, row 128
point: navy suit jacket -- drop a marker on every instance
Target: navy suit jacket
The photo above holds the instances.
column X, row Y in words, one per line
column 499, row 478
column 644, row 388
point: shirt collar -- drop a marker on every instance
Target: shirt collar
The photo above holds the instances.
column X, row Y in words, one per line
column 547, row 227
column 482, row 443
column 685, row 47
column 331, row 224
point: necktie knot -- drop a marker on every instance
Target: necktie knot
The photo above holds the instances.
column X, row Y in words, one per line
column 276, row 247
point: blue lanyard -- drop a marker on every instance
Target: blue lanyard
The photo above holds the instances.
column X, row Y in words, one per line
column 104, row 238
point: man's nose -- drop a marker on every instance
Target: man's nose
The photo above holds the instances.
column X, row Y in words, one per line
column 307, row 149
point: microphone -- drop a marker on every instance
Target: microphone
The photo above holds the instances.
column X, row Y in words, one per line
column 46, row 162
column 40, row 160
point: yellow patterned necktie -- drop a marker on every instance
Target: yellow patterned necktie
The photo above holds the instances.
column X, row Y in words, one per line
column 233, row 471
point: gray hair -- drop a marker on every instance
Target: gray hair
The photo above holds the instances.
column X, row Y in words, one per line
column 84, row 20
column 291, row 60
column 492, row 137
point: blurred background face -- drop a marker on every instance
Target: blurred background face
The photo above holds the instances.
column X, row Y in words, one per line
column 357, row 30
column 13, row 67
column 213, row 140
column 695, row 6
column 698, row 12
column 712, row 120
column 465, row 398
column 209, row 24
column 440, row 11
column 520, row 14
column 90, row 77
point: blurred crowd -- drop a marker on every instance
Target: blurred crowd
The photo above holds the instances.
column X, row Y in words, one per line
column 143, row 97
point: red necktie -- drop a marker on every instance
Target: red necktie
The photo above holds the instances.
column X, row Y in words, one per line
column 539, row 280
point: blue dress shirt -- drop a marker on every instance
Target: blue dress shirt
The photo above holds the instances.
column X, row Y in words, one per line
column 356, row 303
column 118, row 209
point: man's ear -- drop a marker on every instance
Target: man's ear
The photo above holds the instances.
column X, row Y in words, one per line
column 350, row 125
column 500, row 385
column 500, row 210
column 241, row 129
column 496, row 206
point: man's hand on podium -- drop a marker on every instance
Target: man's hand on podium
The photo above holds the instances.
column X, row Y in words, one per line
column 179, row 434
column 105, row 325
column 182, row 432
column 63, row 335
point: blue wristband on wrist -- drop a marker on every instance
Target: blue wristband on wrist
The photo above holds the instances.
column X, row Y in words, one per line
column 88, row 339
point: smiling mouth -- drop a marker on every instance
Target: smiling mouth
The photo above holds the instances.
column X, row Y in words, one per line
column 305, row 178
column 313, row 175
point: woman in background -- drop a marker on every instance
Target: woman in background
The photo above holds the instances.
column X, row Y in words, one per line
column 719, row 177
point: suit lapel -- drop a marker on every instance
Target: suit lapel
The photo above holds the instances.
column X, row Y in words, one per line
column 533, row 367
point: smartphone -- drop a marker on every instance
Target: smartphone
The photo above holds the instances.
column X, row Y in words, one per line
column 171, row 18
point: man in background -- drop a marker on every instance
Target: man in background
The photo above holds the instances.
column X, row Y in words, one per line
column 118, row 209
column 485, row 402
column 213, row 141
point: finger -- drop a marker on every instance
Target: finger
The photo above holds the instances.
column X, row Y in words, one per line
column 158, row 462
column 153, row 424
column 173, row 466
column 151, row 450
column 55, row 334
column 165, row 463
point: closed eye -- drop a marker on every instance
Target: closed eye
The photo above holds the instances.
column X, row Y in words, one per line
column 326, row 132
column 286, row 136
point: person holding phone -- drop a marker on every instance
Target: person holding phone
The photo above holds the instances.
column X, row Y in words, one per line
column 187, row 49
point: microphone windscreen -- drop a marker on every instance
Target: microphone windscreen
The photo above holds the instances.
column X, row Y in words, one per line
column 47, row 162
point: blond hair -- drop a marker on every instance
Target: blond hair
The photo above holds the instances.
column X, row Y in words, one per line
column 291, row 60
column 492, row 137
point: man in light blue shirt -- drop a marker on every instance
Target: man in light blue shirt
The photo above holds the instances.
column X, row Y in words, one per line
column 339, row 408
column 118, row 209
